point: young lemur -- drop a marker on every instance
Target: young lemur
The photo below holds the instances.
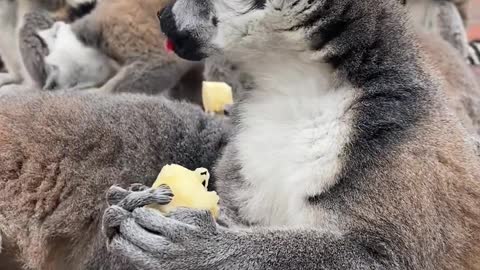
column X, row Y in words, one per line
column 344, row 156
column 128, row 32
column 12, row 14
column 59, row 154
column 71, row 64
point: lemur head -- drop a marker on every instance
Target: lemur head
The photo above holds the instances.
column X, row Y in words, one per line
column 199, row 28
column 55, row 34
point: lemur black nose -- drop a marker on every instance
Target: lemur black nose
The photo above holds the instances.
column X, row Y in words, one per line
column 183, row 42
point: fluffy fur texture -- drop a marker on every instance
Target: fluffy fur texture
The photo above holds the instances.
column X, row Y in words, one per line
column 402, row 190
column 60, row 153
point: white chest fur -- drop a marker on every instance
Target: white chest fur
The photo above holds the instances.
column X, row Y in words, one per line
column 289, row 146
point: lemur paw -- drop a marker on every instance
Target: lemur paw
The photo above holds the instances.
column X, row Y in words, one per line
column 122, row 202
column 183, row 239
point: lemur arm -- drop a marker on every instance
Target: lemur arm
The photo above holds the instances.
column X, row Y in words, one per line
column 191, row 239
column 88, row 30
column 148, row 76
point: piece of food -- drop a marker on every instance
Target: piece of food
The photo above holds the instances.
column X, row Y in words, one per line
column 216, row 95
column 189, row 189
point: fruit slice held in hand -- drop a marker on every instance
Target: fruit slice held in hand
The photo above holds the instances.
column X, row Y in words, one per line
column 189, row 189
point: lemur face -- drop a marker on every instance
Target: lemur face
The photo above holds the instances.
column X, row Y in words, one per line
column 200, row 28
column 51, row 35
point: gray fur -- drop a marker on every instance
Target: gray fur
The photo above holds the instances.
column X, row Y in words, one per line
column 59, row 153
column 222, row 70
column 407, row 192
column 443, row 18
column 32, row 48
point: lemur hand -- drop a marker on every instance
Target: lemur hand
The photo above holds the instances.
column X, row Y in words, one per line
column 184, row 239
column 122, row 202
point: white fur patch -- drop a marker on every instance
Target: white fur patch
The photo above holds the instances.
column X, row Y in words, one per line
column 293, row 130
column 78, row 66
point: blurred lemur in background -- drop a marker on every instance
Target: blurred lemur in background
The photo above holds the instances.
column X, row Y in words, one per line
column 133, row 41
column 12, row 14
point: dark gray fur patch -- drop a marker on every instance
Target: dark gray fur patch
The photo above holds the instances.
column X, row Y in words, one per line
column 371, row 50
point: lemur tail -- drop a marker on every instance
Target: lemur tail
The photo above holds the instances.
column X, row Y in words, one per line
column 79, row 8
column 72, row 10
column 474, row 53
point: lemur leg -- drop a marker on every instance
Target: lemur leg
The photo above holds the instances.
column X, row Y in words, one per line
column 149, row 77
column 53, row 75
column 84, row 86
column 32, row 47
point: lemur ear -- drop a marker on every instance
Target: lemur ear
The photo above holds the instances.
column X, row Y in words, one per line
column 403, row 2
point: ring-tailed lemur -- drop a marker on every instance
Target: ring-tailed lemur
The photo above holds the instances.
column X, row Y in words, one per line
column 128, row 32
column 72, row 65
column 345, row 155
column 12, row 14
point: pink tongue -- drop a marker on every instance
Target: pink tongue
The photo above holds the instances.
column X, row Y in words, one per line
column 169, row 46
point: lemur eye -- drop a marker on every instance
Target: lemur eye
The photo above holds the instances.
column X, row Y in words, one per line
column 214, row 21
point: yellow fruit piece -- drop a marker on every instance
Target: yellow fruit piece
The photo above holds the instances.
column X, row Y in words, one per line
column 215, row 96
column 187, row 188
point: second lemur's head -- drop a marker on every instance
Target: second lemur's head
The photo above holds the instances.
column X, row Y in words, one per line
column 200, row 28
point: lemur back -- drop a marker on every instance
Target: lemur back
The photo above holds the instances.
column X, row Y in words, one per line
column 60, row 152
column 71, row 64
